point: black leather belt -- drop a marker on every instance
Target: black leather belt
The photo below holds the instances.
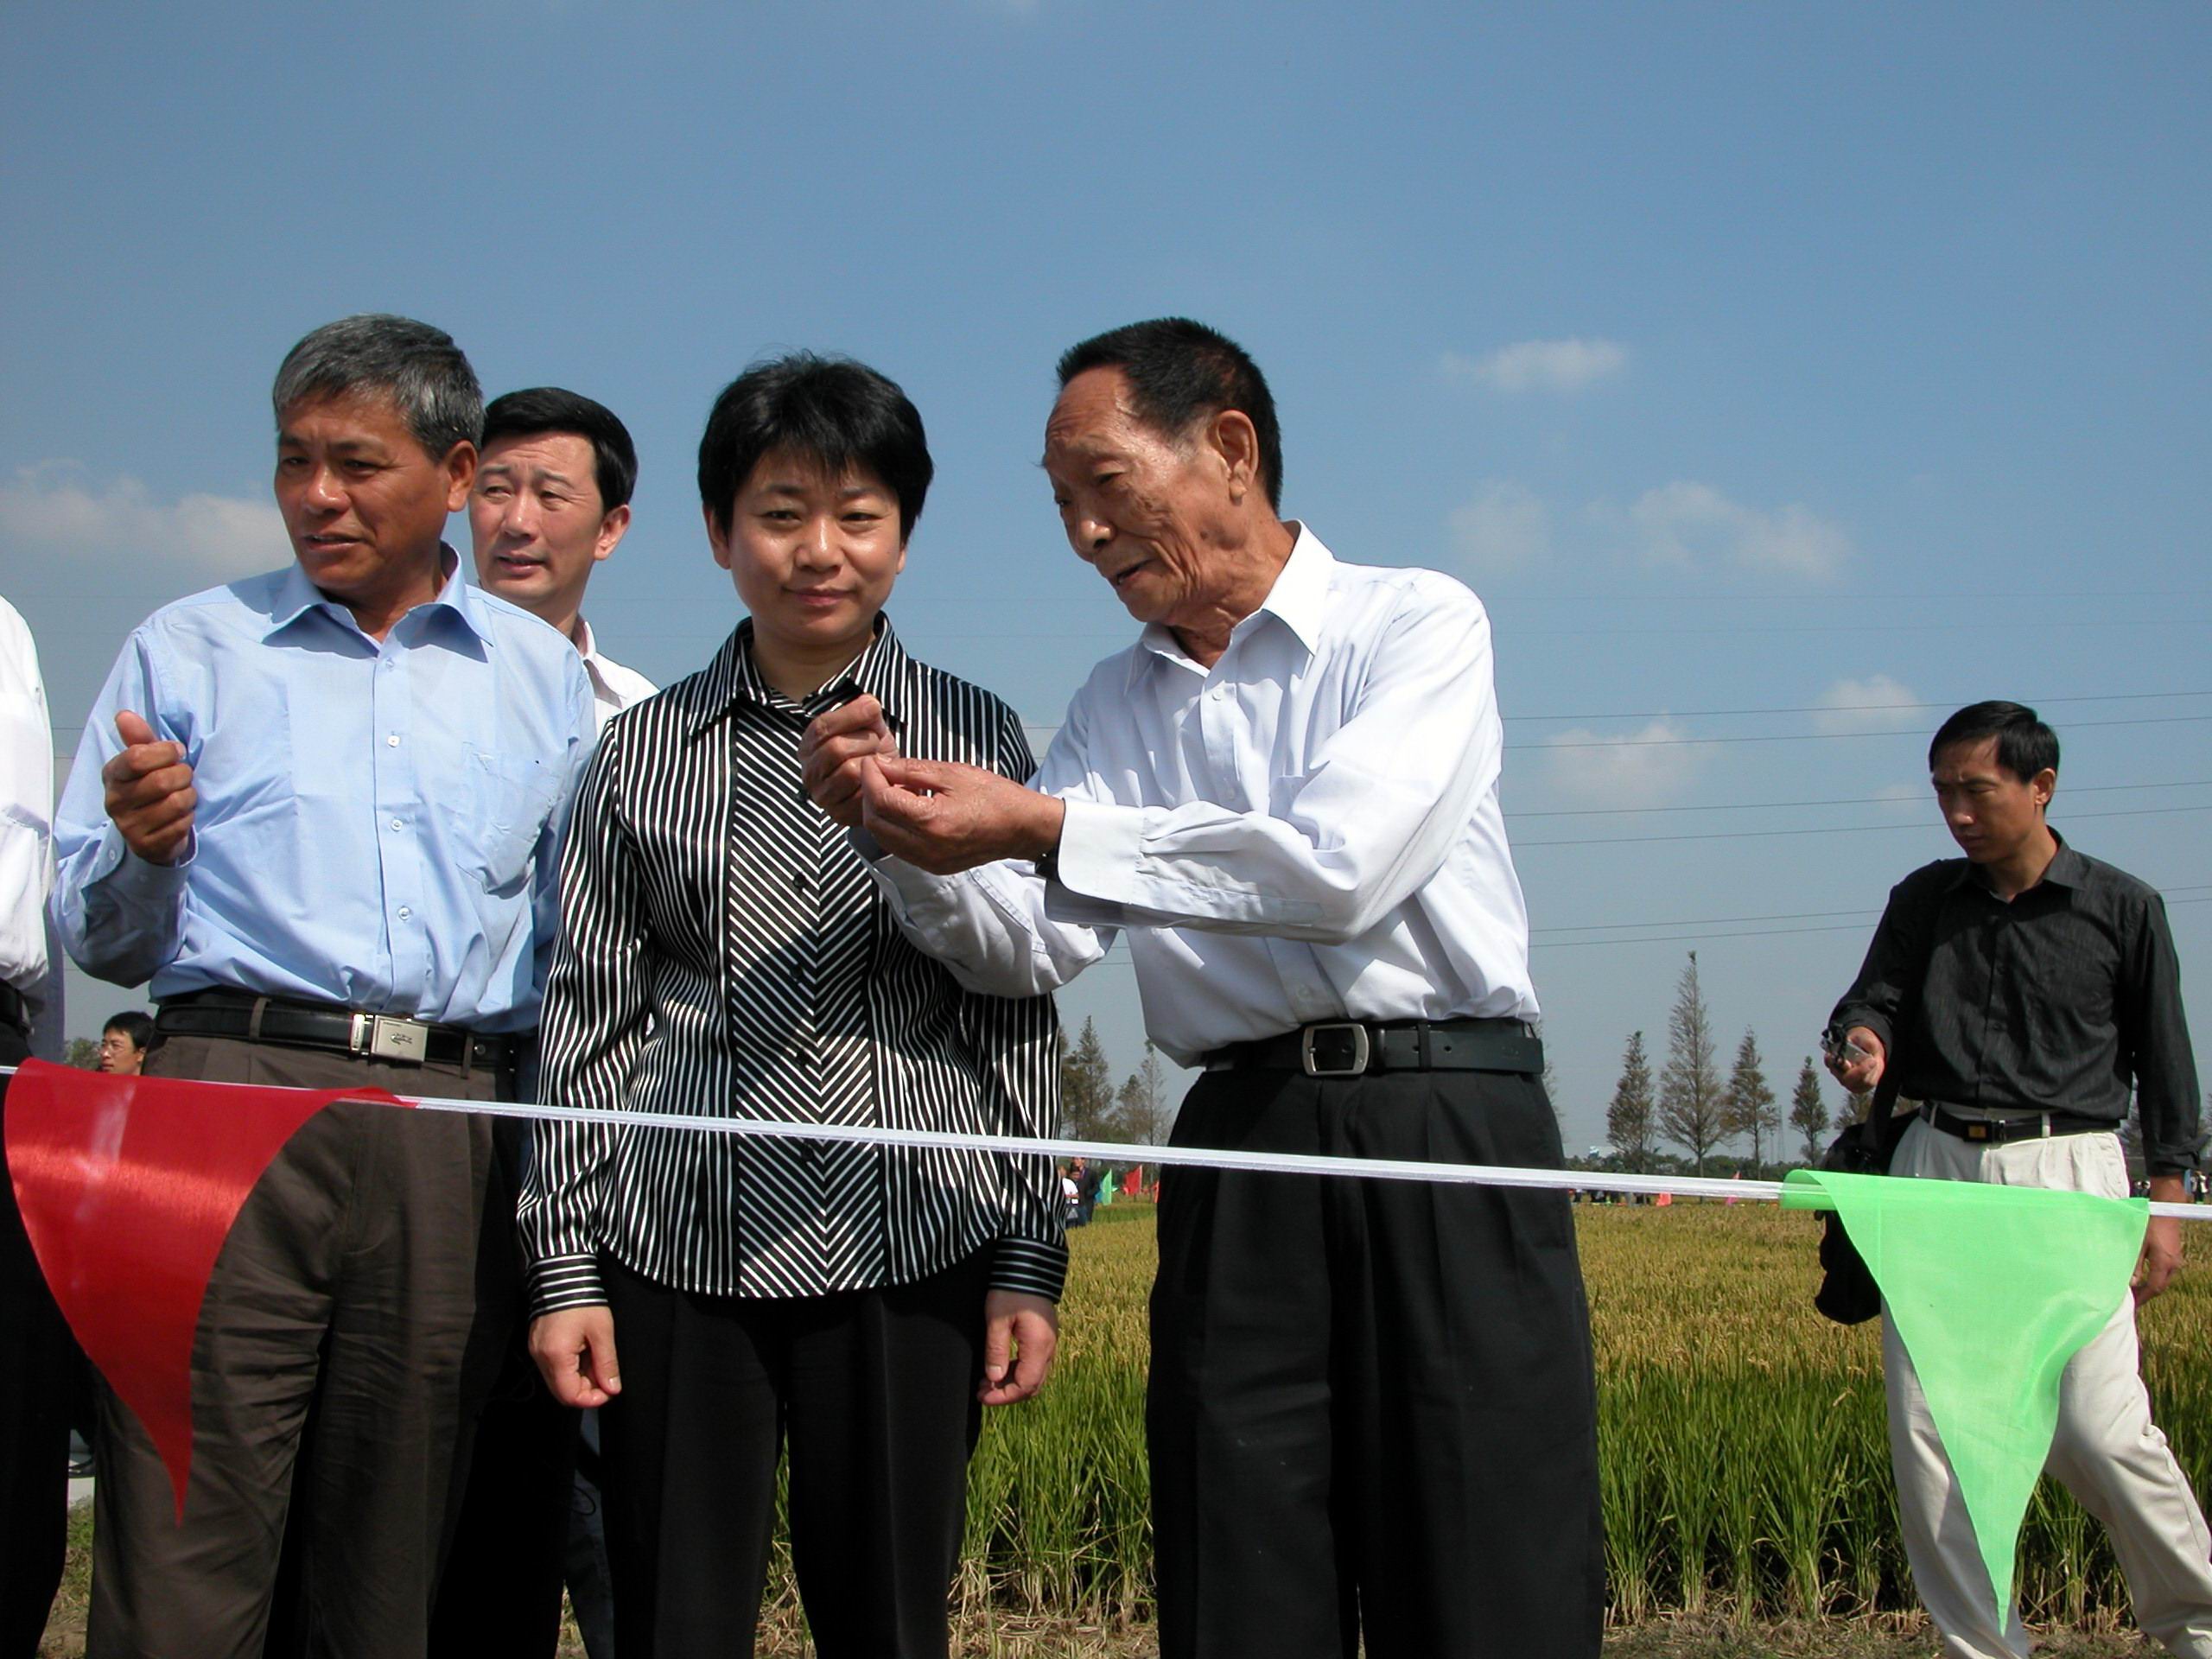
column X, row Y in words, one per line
column 324, row 1025
column 1351, row 1048
column 1995, row 1131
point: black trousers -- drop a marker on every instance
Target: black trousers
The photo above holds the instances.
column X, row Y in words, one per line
column 875, row 1392
column 33, row 1420
column 499, row 1594
column 1371, row 1402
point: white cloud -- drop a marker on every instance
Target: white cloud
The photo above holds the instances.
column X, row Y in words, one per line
column 1694, row 524
column 55, row 509
column 1541, row 365
column 1871, row 703
column 1650, row 767
column 1503, row 526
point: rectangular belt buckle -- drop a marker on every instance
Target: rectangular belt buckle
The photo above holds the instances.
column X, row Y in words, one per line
column 390, row 1038
column 1977, row 1131
column 1360, row 1051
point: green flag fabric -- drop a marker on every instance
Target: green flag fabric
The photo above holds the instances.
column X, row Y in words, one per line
column 1992, row 1289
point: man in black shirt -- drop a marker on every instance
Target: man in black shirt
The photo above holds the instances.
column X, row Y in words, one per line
column 2020, row 991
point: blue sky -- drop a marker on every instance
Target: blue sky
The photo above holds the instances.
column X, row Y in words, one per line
column 1783, row 359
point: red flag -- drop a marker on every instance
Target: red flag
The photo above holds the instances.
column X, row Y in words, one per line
column 127, row 1187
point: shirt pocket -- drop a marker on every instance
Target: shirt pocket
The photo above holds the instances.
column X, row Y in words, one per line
column 511, row 800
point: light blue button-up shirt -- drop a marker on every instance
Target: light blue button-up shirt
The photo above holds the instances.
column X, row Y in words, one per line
column 379, row 824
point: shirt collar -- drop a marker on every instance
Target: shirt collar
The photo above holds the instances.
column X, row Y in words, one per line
column 2066, row 869
column 296, row 596
column 1298, row 600
column 883, row 671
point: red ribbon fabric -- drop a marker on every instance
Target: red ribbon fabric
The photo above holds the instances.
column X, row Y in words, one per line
column 128, row 1188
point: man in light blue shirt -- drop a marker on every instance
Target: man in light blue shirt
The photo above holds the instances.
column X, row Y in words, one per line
column 320, row 811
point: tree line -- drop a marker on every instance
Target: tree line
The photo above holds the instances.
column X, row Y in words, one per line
column 1138, row 1113
column 1694, row 1107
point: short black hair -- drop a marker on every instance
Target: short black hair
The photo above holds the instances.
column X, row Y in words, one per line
column 537, row 409
column 138, row 1027
column 840, row 413
column 2024, row 744
column 1180, row 371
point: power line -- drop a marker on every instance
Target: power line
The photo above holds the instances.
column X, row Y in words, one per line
column 1808, row 737
column 1756, row 933
column 1779, row 915
column 1854, row 800
column 1827, row 830
column 1854, row 708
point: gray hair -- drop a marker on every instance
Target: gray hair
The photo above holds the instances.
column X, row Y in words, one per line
column 418, row 366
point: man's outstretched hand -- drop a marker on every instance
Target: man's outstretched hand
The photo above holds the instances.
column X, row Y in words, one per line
column 944, row 817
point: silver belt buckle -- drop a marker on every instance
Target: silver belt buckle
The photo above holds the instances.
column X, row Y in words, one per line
column 392, row 1039
column 1360, row 1051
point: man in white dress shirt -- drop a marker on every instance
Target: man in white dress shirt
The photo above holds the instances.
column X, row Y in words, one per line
column 1371, row 1403
column 33, row 1401
column 550, row 502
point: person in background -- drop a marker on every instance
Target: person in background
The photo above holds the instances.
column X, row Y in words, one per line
column 2023, row 992
column 550, row 503
column 123, row 1042
column 35, row 1383
column 322, row 810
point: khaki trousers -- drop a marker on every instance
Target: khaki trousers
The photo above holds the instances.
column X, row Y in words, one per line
column 329, row 1361
column 2107, row 1452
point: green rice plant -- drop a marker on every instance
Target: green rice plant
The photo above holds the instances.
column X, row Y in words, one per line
column 1744, row 1453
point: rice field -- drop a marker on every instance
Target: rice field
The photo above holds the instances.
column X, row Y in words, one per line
column 1745, row 1464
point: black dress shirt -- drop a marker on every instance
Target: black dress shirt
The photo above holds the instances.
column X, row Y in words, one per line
column 723, row 951
column 2054, row 1001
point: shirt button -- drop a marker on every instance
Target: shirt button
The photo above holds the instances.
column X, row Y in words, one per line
column 392, row 742
column 405, row 913
column 397, row 824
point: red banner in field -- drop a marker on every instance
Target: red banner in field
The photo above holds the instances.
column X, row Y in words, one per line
column 128, row 1188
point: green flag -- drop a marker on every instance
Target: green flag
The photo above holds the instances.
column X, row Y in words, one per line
column 1992, row 1290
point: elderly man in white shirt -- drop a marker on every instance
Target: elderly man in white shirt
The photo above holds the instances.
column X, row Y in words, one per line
column 550, row 501
column 1371, row 1403
column 34, row 1401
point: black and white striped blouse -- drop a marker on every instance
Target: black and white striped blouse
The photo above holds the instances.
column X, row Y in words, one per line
column 723, row 951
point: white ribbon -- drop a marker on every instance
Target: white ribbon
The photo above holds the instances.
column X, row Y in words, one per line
column 1270, row 1163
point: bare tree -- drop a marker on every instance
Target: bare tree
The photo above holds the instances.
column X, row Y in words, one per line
column 1142, row 1114
column 1628, row 1121
column 1693, row 1105
column 1752, row 1110
column 1808, row 1112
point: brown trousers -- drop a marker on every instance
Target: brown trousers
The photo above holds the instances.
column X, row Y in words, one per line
column 345, row 1325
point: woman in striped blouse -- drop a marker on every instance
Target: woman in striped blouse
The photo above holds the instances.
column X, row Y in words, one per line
column 724, row 950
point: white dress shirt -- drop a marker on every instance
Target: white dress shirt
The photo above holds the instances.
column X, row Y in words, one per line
column 613, row 687
column 1309, row 830
column 28, row 961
